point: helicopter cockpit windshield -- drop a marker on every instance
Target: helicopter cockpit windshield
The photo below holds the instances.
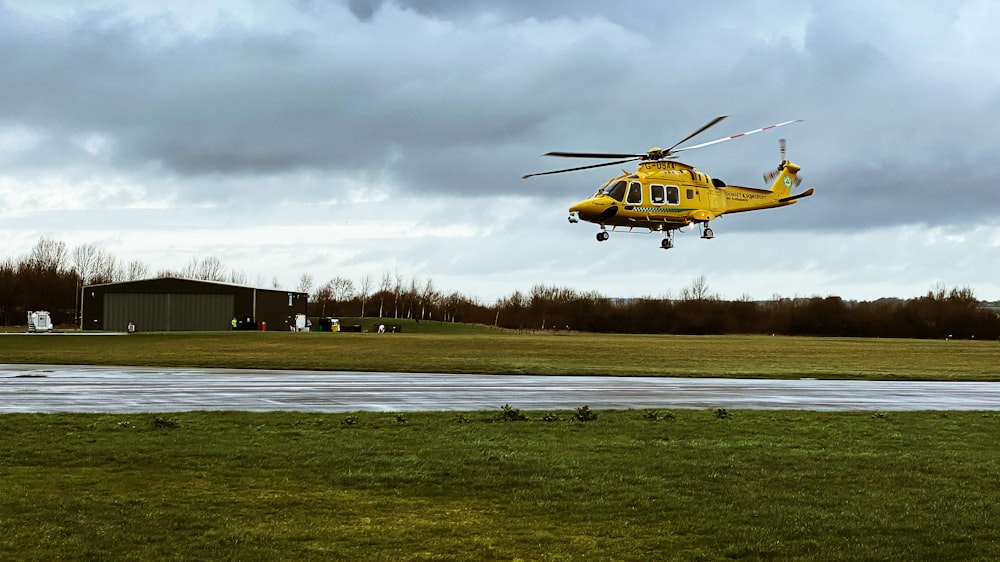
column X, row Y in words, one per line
column 615, row 191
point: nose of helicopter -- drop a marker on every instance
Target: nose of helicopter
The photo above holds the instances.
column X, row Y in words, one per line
column 593, row 209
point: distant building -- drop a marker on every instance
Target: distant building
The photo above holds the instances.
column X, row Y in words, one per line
column 175, row 304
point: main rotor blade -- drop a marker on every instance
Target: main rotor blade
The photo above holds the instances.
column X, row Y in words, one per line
column 696, row 133
column 716, row 141
column 591, row 155
column 583, row 167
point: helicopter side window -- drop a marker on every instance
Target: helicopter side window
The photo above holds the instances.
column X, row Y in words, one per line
column 656, row 194
column 617, row 191
column 634, row 193
column 673, row 195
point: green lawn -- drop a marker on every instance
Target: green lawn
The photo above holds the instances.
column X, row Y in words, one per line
column 460, row 349
column 630, row 485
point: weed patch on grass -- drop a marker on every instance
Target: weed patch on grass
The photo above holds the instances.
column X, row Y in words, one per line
column 585, row 414
column 509, row 413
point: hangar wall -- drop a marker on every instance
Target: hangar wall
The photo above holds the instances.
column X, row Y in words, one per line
column 175, row 304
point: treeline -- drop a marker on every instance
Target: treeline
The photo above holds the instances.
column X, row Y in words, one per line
column 941, row 313
column 50, row 277
column 38, row 281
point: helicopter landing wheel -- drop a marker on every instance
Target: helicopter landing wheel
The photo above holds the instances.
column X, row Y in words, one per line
column 666, row 243
column 602, row 236
column 707, row 234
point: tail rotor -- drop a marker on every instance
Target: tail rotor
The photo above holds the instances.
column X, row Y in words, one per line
column 769, row 177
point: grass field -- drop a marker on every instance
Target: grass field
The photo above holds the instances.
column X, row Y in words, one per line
column 456, row 348
column 628, row 485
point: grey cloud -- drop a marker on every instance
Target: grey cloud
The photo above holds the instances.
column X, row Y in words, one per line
column 364, row 9
column 465, row 110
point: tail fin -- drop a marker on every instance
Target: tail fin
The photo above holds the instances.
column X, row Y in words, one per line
column 786, row 178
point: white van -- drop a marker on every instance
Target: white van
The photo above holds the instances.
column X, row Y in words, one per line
column 39, row 321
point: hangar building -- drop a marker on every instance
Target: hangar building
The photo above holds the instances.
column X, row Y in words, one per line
column 175, row 304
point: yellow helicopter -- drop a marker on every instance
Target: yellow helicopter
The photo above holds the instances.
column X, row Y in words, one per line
column 664, row 195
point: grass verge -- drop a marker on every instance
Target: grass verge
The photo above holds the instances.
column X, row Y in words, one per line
column 608, row 485
column 491, row 351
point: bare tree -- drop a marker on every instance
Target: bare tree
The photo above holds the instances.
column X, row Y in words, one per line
column 411, row 296
column 397, row 288
column 9, row 290
column 543, row 297
column 364, row 289
column 343, row 288
column 238, row 277
column 84, row 259
column 937, row 292
column 105, row 268
column 136, row 270
column 698, row 291
column 428, row 298
column 336, row 290
column 451, row 304
column 212, row 269
column 517, row 302
column 207, row 269
column 384, row 285
column 190, row 271
column 322, row 297
column 305, row 283
column 48, row 255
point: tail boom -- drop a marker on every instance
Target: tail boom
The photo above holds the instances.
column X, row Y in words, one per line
column 739, row 199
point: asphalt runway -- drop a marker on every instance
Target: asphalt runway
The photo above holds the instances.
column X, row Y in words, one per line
column 59, row 388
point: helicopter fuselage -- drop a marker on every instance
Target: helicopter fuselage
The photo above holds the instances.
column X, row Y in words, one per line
column 667, row 195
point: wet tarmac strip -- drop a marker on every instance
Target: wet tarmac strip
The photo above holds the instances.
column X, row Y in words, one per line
column 59, row 388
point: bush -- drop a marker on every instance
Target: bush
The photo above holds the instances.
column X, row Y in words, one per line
column 585, row 414
column 509, row 413
column 164, row 423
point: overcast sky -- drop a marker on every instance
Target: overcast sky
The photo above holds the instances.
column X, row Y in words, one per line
column 363, row 136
